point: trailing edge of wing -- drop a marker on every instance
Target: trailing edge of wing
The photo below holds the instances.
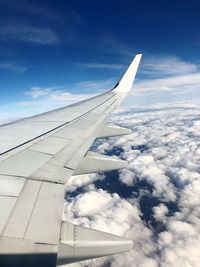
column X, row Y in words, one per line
column 125, row 83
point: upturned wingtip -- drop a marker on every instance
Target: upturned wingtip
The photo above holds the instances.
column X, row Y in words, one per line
column 125, row 83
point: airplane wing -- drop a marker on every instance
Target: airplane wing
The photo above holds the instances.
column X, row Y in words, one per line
column 37, row 157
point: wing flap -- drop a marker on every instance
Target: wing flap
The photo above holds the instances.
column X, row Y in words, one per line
column 6, row 205
column 44, row 225
column 18, row 221
column 38, row 213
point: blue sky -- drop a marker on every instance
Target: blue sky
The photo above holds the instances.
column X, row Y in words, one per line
column 53, row 53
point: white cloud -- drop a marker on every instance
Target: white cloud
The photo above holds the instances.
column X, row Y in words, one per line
column 93, row 65
column 110, row 44
column 42, row 99
column 13, row 67
column 77, row 181
column 108, row 212
column 94, row 86
column 127, row 177
column 85, row 89
column 28, row 7
column 175, row 83
column 170, row 65
column 160, row 212
column 162, row 151
column 27, row 33
column 37, row 92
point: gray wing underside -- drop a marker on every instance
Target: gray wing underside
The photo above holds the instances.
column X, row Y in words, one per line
column 37, row 157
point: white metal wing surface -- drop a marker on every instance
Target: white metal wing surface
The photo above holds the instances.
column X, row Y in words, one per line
column 37, row 157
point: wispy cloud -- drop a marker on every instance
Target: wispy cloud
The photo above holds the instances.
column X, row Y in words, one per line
column 94, row 65
column 61, row 93
column 167, row 77
column 111, row 44
column 37, row 92
column 13, row 67
column 170, row 65
column 40, row 10
column 27, row 33
column 28, row 8
column 183, row 82
column 150, row 65
column 19, row 22
column 56, row 95
column 94, row 86
column 40, row 99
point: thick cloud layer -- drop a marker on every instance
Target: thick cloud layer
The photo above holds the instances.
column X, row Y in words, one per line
column 157, row 201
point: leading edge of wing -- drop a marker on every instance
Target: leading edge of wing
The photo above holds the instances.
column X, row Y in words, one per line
column 124, row 85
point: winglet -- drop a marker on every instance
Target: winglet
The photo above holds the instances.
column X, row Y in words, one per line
column 125, row 83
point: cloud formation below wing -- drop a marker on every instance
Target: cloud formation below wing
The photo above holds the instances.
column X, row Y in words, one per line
column 161, row 215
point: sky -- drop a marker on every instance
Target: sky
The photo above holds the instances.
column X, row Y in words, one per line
column 55, row 53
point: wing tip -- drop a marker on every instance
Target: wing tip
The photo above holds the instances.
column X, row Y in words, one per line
column 125, row 83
